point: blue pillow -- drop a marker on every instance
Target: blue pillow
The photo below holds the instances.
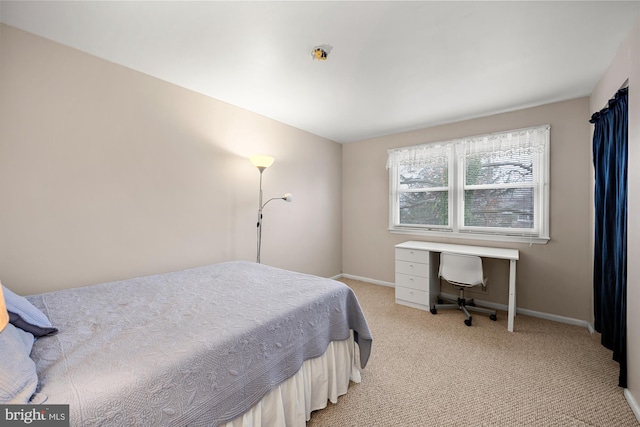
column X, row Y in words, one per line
column 18, row 376
column 26, row 316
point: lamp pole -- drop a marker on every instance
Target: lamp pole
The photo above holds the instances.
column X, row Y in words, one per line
column 263, row 162
column 260, row 206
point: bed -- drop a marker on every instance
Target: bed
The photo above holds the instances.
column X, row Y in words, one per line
column 235, row 344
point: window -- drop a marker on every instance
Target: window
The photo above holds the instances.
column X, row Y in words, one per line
column 490, row 186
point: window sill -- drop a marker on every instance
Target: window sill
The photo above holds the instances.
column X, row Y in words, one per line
column 471, row 236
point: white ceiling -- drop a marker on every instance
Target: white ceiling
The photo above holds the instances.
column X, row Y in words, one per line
column 394, row 66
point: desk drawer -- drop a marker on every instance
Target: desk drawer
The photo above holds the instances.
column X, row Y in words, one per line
column 412, row 268
column 413, row 282
column 412, row 295
column 412, row 255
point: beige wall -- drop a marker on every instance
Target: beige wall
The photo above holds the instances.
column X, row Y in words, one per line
column 552, row 278
column 107, row 173
column 626, row 65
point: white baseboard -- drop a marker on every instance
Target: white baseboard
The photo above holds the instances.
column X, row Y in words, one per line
column 556, row 318
column 366, row 279
column 633, row 403
column 493, row 305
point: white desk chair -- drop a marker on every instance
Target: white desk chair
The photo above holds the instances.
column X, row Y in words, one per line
column 462, row 271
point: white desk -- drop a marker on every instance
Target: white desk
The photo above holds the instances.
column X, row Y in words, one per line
column 501, row 253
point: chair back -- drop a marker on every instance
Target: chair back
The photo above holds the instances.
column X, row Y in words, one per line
column 461, row 269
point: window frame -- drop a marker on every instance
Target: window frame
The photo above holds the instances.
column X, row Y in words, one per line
column 456, row 229
column 450, row 155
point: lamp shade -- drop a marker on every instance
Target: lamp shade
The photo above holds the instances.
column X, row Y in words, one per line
column 261, row 162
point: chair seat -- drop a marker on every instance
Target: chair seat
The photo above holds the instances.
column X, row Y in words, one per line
column 466, row 285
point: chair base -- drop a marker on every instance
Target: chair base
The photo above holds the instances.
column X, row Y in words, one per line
column 465, row 305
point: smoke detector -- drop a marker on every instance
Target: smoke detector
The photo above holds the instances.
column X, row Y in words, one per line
column 320, row 53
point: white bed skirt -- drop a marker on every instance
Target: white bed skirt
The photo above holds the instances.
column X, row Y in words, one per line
column 318, row 380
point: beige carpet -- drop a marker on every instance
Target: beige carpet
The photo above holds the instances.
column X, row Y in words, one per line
column 432, row 370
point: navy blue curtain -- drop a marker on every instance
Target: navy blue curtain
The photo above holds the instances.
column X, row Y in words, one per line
column 610, row 254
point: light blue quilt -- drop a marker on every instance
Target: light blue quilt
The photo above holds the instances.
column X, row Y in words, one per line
column 194, row 347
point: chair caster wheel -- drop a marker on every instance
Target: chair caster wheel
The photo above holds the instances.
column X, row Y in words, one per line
column 433, row 311
column 440, row 301
column 472, row 304
column 493, row 317
column 467, row 322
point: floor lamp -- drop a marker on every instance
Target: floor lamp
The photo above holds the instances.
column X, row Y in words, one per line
column 263, row 162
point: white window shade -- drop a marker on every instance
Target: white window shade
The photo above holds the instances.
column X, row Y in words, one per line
column 510, row 143
column 419, row 155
